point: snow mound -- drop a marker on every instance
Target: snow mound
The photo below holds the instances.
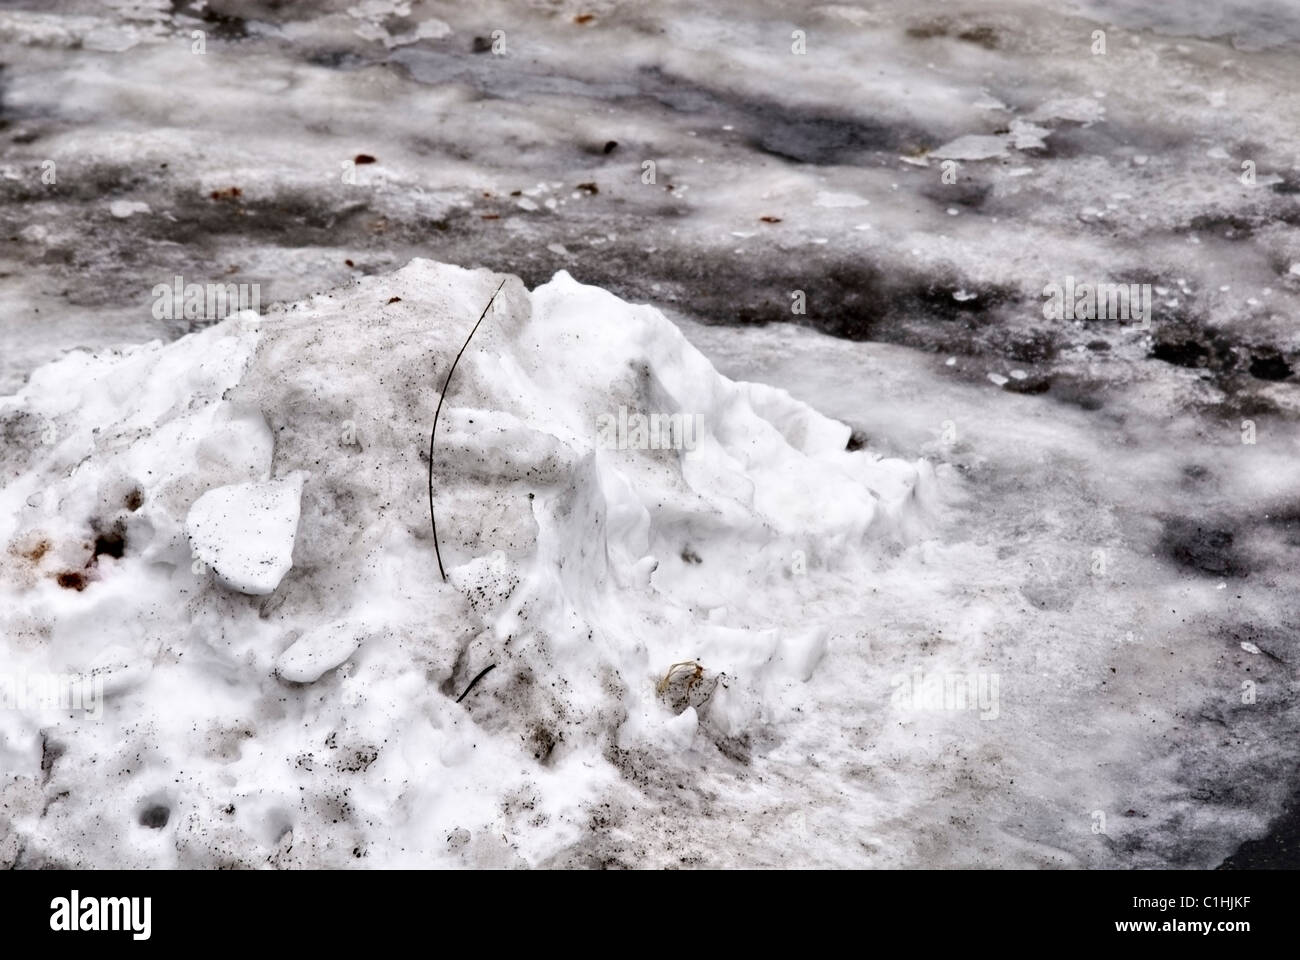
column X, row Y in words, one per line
column 231, row 532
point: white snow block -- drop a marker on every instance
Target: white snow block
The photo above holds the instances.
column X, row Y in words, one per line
column 245, row 532
column 313, row 655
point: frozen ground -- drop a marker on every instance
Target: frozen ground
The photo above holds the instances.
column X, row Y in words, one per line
column 1065, row 506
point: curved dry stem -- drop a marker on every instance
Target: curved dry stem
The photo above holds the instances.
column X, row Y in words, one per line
column 434, row 432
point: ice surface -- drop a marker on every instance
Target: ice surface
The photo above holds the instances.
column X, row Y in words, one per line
column 1095, row 166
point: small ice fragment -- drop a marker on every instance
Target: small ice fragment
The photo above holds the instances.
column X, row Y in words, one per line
column 950, row 362
column 973, row 147
column 997, row 379
column 961, row 296
column 124, row 208
column 1249, row 647
column 1028, row 136
column 1019, row 374
column 1076, row 109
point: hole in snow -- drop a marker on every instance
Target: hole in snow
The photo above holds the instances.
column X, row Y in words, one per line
column 155, row 816
column 111, row 543
column 72, row 580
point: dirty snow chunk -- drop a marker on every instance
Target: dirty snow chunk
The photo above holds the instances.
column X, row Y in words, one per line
column 433, row 29
column 245, row 532
column 973, row 147
column 317, row 652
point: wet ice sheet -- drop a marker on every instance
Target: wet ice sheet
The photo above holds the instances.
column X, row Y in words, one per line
column 533, row 160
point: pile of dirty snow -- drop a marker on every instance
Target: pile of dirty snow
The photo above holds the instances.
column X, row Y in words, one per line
column 223, row 546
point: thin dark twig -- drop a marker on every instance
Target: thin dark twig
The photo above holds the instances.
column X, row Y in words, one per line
column 481, row 674
column 434, row 432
